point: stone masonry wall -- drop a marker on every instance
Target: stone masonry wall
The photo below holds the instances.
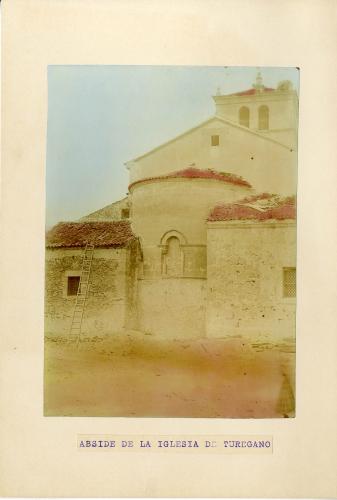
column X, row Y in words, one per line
column 133, row 257
column 245, row 280
column 172, row 308
column 107, row 298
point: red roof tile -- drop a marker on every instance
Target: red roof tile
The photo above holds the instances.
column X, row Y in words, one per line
column 260, row 207
column 196, row 173
column 252, row 91
column 100, row 234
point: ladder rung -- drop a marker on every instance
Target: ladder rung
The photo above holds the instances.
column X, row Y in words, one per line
column 82, row 292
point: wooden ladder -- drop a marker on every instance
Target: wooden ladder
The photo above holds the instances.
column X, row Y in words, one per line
column 82, row 294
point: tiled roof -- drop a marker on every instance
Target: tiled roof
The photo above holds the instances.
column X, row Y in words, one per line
column 253, row 91
column 260, row 207
column 196, row 173
column 100, row 234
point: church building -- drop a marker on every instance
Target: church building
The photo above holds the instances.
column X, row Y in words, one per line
column 203, row 245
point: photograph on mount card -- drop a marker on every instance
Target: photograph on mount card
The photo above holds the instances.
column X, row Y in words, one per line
column 170, row 275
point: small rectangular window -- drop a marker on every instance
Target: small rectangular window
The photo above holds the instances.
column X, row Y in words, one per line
column 73, row 284
column 215, row 140
column 125, row 213
column 289, row 282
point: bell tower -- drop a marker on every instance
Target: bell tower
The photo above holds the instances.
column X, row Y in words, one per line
column 272, row 112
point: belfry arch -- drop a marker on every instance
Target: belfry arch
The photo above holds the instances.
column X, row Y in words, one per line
column 244, row 116
column 263, row 117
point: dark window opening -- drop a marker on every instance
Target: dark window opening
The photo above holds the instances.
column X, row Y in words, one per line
column 289, row 282
column 73, row 284
column 215, row 140
column 125, row 213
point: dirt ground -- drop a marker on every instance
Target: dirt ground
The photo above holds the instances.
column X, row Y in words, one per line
column 133, row 375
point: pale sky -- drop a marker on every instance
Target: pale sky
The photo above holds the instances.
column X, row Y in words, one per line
column 99, row 117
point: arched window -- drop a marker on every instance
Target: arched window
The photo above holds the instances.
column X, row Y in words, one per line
column 173, row 257
column 263, row 118
column 172, row 244
column 244, row 116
